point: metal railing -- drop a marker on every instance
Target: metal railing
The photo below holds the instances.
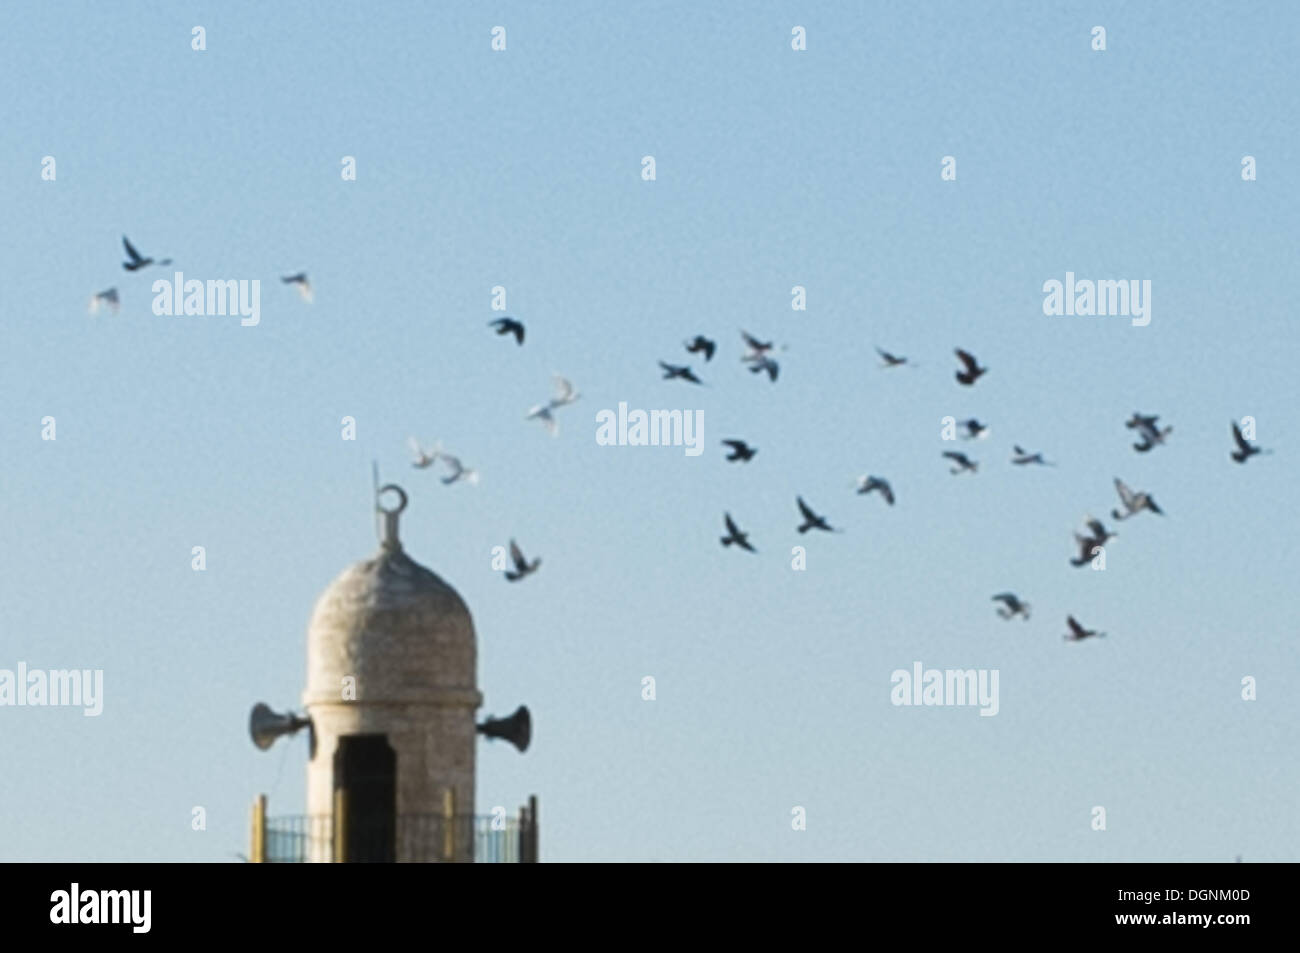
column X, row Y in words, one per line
column 406, row 838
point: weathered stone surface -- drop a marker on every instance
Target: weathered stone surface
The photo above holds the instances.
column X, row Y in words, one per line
column 407, row 639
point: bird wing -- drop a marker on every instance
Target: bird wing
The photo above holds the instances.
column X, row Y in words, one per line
column 968, row 359
column 670, row 368
column 517, row 555
column 808, row 514
column 564, row 389
column 1242, row 444
column 732, row 528
column 1098, row 531
column 130, row 251
column 886, row 489
column 753, row 343
column 1074, row 626
column 709, row 348
column 953, row 455
column 1125, row 494
column 734, row 444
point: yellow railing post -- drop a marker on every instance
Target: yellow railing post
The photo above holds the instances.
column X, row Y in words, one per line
column 449, row 825
column 257, row 850
column 340, row 826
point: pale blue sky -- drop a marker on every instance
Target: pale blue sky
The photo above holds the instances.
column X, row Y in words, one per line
column 775, row 168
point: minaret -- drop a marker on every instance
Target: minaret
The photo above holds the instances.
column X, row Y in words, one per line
column 391, row 694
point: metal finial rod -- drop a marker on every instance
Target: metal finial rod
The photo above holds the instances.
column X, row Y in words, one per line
column 389, row 539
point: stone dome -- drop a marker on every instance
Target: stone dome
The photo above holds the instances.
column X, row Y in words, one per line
column 400, row 630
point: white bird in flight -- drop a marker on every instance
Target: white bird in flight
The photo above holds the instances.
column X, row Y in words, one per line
column 564, row 395
column 424, row 458
column 108, row 299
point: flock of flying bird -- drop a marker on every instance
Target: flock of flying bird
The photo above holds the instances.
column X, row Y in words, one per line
column 111, row 300
column 759, row 357
column 1149, row 431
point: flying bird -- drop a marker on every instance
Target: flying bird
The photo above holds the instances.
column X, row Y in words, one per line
column 424, row 458
column 107, row 299
column 964, row 463
column 564, row 395
column 890, row 360
column 1099, row 532
column 972, row 371
column 1078, row 632
column 509, row 326
column 701, row 344
column 1245, row 449
column 974, row 429
column 136, row 261
column 765, row 364
column 740, row 450
column 1011, row 606
column 522, row 566
column 734, row 535
column 1148, row 430
column 301, row 282
column 754, row 348
column 867, row 484
column 684, row 372
column 458, row 471
column 1023, row 457
column 811, row 520
column 1089, row 543
column 1134, row 503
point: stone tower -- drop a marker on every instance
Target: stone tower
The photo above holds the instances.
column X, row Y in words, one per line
column 391, row 692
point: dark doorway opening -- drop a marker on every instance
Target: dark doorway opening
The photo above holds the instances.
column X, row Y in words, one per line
column 365, row 792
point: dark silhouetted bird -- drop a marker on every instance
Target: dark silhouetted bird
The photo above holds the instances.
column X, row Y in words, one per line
column 972, row 371
column 890, row 360
column 1078, row 632
column 701, row 344
column 509, row 325
column 1150, row 432
column 301, row 283
column 672, row 370
column 1087, row 544
column 740, row 450
column 765, row 364
column 1013, row 606
column 1134, row 503
column 754, row 348
column 1022, row 457
column 811, row 520
column 1245, row 450
column 734, row 535
column 136, row 261
column 964, row 463
column 522, row 566
column 458, row 470
column 974, row 429
column 867, row 484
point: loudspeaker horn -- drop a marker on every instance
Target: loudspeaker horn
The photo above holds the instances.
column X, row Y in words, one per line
column 517, row 729
column 264, row 725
